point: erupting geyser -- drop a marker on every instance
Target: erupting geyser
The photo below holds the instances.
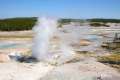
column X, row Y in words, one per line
column 43, row 30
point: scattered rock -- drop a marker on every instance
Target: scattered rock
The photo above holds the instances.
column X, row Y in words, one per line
column 27, row 59
column 85, row 42
column 4, row 58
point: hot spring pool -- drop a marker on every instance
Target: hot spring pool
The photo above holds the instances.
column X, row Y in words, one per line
column 6, row 45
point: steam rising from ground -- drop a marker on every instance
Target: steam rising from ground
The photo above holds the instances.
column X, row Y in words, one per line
column 43, row 30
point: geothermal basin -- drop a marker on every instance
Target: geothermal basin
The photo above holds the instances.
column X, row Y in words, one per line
column 55, row 49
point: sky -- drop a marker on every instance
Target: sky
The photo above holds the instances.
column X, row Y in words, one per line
column 60, row 8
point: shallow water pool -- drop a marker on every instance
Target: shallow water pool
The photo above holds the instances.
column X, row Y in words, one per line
column 6, row 45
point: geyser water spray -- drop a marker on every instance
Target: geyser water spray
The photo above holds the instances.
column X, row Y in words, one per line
column 43, row 30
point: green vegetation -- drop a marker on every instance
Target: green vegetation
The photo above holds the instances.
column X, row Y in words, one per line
column 93, row 22
column 67, row 21
column 111, row 45
column 64, row 21
column 86, row 53
column 104, row 20
column 113, row 60
column 17, row 24
column 16, row 36
column 26, row 23
column 98, row 24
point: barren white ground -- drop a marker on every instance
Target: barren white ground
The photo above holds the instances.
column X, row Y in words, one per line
column 85, row 70
column 23, row 71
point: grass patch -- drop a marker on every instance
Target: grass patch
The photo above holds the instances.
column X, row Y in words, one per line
column 86, row 53
column 16, row 36
column 113, row 60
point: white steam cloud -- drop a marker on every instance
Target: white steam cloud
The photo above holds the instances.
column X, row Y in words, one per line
column 43, row 30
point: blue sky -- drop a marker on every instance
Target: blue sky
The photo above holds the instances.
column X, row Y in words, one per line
column 60, row 8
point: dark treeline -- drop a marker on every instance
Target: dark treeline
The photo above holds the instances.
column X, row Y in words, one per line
column 90, row 20
column 67, row 21
column 63, row 21
column 104, row 20
column 17, row 24
column 26, row 23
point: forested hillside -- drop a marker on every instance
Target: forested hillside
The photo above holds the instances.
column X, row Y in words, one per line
column 26, row 23
column 17, row 24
